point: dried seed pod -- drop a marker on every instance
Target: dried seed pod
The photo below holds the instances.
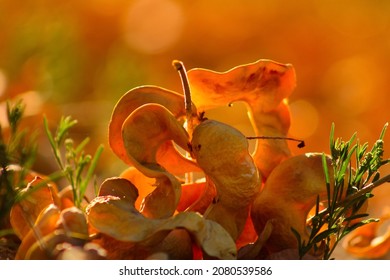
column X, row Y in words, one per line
column 371, row 241
column 264, row 86
column 36, row 198
column 143, row 132
column 74, row 223
column 145, row 185
column 117, row 218
column 54, row 231
column 222, row 153
column 289, row 193
column 45, row 224
column 136, row 98
column 197, row 197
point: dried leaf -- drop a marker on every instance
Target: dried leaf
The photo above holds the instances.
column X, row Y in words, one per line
column 263, row 85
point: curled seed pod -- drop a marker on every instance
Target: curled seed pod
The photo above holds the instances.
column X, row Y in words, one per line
column 145, row 185
column 36, row 198
column 222, row 153
column 45, row 223
column 116, row 217
column 136, row 98
column 371, row 241
column 197, row 197
column 53, row 230
column 264, row 86
column 289, row 194
column 143, row 132
column 120, row 187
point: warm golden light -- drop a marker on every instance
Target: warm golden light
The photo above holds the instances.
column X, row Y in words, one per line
column 153, row 26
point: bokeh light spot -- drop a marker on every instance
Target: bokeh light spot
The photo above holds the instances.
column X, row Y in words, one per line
column 3, row 82
column 304, row 119
column 352, row 83
column 152, row 26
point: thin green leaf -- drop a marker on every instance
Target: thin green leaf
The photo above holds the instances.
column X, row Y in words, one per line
column 323, row 235
column 91, row 170
column 5, row 232
column 48, row 133
column 383, row 132
column 82, row 145
column 65, row 124
column 357, row 216
column 327, row 178
column 359, row 224
column 51, row 178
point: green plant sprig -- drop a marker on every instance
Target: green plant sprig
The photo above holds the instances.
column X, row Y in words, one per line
column 77, row 166
column 352, row 186
column 17, row 147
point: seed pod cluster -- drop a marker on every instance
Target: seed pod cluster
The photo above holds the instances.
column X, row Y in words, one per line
column 147, row 125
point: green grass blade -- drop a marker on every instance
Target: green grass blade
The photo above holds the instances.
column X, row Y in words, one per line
column 91, row 170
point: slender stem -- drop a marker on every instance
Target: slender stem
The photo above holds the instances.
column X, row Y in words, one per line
column 301, row 143
column 359, row 193
column 367, row 189
column 179, row 66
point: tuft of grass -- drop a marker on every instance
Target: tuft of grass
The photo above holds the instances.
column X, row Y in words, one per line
column 77, row 166
column 357, row 169
column 18, row 150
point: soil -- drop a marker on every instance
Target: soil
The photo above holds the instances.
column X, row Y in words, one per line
column 8, row 248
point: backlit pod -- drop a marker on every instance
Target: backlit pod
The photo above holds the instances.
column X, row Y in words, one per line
column 289, row 193
column 222, row 153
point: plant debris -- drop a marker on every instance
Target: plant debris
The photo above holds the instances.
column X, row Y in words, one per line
column 192, row 189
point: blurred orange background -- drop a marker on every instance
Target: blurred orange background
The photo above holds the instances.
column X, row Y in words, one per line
column 78, row 57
